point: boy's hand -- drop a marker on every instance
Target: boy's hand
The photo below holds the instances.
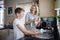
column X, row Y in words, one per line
column 36, row 32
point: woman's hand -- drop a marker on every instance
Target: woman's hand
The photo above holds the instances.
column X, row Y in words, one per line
column 39, row 23
column 30, row 21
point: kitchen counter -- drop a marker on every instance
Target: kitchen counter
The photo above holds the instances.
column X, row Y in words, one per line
column 45, row 35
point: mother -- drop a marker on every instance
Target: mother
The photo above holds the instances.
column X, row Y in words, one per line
column 31, row 18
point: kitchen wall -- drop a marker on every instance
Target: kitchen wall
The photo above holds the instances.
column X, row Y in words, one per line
column 46, row 8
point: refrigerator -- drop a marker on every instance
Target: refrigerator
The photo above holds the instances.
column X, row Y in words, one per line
column 1, row 14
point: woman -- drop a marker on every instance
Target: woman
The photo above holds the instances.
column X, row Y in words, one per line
column 31, row 19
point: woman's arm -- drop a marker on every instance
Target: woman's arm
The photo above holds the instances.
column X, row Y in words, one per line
column 29, row 22
column 39, row 24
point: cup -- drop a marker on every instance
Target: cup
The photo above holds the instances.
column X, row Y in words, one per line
column 41, row 31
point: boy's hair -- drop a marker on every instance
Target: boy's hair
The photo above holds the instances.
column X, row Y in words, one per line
column 18, row 10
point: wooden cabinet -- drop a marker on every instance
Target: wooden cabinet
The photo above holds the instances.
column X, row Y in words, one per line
column 46, row 8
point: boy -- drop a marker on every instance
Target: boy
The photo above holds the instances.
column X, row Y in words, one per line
column 18, row 25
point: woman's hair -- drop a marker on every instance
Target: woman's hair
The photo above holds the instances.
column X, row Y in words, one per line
column 32, row 8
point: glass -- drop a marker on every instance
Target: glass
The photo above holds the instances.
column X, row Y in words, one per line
column 37, row 20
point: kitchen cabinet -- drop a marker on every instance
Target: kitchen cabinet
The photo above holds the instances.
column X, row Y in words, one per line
column 46, row 8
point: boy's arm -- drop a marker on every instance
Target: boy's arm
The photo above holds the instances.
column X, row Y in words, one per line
column 27, row 31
